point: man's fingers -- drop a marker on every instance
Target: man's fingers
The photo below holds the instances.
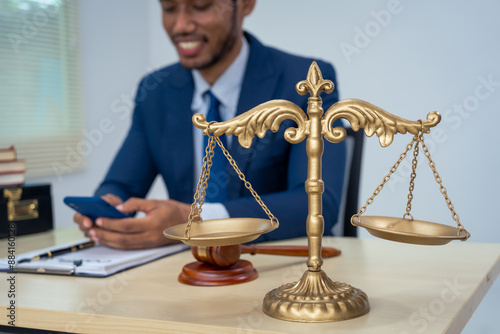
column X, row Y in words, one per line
column 112, row 199
column 144, row 232
column 84, row 222
column 78, row 218
column 137, row 204
column 125, row 225
column 126, row 241
column 111, row 238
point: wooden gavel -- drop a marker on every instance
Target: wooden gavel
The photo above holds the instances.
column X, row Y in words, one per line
column 226, row 256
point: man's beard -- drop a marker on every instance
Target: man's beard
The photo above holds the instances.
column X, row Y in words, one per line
column 227, row 46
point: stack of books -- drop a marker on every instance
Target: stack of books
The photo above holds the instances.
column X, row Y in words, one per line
column 12, row 169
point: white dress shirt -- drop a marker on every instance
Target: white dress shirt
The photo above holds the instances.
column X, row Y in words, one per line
column 227, row 90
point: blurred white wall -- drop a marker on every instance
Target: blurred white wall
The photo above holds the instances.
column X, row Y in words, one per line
column 408, row 57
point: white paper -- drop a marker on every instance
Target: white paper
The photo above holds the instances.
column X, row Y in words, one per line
column 97, row 260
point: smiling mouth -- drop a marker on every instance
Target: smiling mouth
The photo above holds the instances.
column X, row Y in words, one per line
column 189, row 48
column 189, row 45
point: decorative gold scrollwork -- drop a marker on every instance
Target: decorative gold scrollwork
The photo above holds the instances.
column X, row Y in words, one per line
column 373, row 119
column 256, row 121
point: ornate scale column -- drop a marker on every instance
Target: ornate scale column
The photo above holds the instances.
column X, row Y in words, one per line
column 315, row 298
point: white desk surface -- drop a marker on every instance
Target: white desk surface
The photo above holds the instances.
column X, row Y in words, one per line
column 411, row 289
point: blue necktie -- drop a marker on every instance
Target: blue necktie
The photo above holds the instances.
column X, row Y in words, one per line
column 216, row 191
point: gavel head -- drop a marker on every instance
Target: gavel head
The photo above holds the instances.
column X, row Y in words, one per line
column 220, row 256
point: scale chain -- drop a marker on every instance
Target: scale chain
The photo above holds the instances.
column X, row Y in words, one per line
column 418, row 138
column 438, row 179
column 256, row 196
column 199, row 196
column 385, row 180
column 413, row 176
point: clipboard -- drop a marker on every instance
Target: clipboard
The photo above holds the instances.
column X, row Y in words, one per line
column 96, row 261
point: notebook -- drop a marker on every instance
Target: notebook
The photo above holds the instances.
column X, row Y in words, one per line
column 95, row 261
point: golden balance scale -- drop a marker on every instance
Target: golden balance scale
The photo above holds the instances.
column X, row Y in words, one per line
column 315, row 297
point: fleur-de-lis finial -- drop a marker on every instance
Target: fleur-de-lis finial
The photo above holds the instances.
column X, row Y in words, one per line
column 314, row 82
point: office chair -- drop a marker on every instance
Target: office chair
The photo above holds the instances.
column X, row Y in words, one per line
column 349, row 203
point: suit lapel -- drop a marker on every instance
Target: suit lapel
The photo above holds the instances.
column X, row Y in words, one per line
column 260, row 79
column 258, row 87
column 179, row 95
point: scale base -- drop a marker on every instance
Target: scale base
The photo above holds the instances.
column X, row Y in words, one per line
column 315, row 298
column 204, row 274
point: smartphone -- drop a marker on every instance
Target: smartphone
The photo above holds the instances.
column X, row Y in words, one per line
column 94, row 207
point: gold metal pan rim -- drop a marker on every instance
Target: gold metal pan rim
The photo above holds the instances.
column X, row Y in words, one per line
column 411, row 231
column 221, row 232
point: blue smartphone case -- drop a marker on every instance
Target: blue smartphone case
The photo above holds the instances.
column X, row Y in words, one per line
column 93, row 207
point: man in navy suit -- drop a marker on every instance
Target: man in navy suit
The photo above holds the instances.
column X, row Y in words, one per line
column 215, row 54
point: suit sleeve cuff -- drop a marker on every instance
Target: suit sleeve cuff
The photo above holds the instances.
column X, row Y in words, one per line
column 214, row 211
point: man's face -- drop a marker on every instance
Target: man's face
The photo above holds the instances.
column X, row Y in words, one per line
column 202, row 31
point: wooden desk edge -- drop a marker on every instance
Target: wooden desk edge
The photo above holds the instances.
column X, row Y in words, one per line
column 71, row 322
column 470, row 307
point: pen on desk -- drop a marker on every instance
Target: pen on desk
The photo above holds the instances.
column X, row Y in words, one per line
column 50, row 254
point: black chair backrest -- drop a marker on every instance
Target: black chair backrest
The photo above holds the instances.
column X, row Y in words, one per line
column 351, row 202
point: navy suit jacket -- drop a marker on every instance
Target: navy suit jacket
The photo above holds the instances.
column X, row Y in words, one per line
column 160, row 141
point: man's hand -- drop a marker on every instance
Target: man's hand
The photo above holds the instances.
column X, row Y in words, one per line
column 144, row 232
column 85, row 223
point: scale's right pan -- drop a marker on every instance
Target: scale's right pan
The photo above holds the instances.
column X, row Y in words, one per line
column 410, row 231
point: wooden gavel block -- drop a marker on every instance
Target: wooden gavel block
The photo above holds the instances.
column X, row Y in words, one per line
column 221, row 265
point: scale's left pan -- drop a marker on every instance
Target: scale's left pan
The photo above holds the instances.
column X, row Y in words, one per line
column 221, row 232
